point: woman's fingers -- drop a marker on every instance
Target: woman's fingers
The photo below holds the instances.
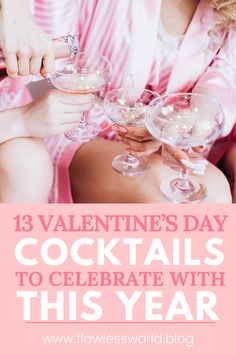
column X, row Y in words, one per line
column 140, row 153
column 139, row 133
column 182, row 158
column 177, row 154
column 35, row 65
column 73, row 99
column 137, row 138
column 141, row 147
column 67, row 127
column 11, row 65
column 47, row 64
column 200, row 165
column 198, row 172
column 23, row 63
column 77, row 108
column 70, row 118
column 141, row 143
column 200, row 148
column 23, row 42
column 70, row 109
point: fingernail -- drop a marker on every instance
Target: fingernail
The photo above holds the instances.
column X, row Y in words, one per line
column 202, row 147
column 203, row 162
column 132, row 153
column 194, row 166
column 115, row 128
column 199, row 173
column 122, row 129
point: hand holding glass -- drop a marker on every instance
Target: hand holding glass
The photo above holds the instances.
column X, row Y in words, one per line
column 184, row 121
column 127, row 106
column 82, row 74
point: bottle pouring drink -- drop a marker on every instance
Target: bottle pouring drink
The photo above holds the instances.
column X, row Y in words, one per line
column 63, row 47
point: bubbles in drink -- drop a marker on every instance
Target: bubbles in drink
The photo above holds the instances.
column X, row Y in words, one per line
column 203, row 128
column 175, row 126
column 133, row 113
column 182, row 128
column 88, row 83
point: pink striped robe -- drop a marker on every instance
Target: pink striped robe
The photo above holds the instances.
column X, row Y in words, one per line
column 126, row 32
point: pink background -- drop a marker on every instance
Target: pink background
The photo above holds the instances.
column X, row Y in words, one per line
column 18, row 336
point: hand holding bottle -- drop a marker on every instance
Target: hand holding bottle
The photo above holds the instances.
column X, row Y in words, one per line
column 26, row 48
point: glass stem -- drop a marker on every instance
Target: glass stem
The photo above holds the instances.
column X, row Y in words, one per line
column 131, row 160
column 183, row 182
column 83, row 120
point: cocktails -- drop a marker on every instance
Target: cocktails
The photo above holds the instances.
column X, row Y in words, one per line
column 127, row 106
column 82, row 74
column 184, row 121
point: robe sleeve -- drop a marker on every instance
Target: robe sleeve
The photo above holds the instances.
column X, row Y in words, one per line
column 220, row 78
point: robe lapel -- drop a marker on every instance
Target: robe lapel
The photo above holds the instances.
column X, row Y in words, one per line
column 195, row 52
column 143, row 38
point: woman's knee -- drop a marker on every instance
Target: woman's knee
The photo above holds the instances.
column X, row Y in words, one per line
column 218, row 188
column 228, row 165
column 25, row 171
column 94, row 180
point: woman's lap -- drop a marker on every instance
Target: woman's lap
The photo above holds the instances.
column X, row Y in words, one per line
column 86, row 172
column 25, row 171
column 94, row 181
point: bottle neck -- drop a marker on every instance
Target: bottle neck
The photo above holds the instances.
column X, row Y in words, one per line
column 66, row 46
column 73, row 44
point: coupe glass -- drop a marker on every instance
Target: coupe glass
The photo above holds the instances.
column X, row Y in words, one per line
column 184, row 120
column 82, row 74
column 127, row 107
